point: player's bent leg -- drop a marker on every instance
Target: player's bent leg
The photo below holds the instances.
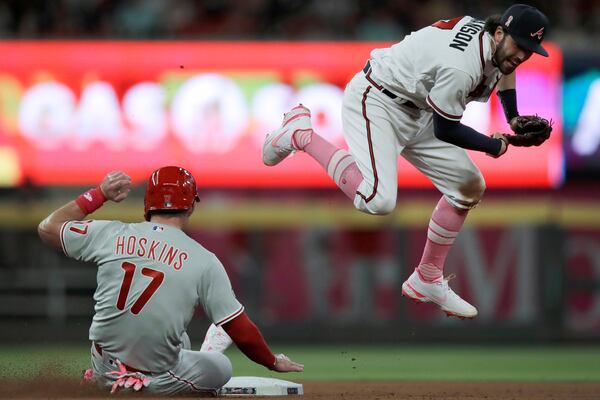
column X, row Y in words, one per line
column 467, row 192
column 444, row 225
column 196, row 373
column 454, row 174
column 219, row 370
column 371, row 134
column 296, row 133
column 367, row 174
column 383, row 201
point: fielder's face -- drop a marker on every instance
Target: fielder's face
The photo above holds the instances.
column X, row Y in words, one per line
column 509, row 55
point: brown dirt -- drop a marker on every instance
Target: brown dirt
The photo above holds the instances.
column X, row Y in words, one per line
column 450, row 390
column 63, row 389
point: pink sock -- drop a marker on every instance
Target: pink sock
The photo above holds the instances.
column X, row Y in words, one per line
column 338, row 163
column 444, row 226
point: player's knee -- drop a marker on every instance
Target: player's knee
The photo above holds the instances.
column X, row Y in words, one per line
column 477, row 187
column 220, row 369
column 471, row 191
column 380, row 205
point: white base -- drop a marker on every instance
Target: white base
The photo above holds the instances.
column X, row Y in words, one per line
column 259, row 386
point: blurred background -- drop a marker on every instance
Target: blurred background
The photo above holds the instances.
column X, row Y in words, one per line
column 95, row 85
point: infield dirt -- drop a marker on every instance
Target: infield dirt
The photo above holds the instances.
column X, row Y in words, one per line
column 321, row 390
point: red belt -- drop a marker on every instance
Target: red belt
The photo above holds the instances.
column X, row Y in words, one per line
column 127, row 367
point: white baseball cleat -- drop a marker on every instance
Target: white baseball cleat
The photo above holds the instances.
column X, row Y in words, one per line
column 439, row 293
column 216, row 339
column 280, row 143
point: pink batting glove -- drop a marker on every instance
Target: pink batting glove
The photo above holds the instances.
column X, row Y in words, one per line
column 135, row 380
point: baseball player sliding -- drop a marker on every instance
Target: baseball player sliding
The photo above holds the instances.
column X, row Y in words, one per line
column 151, row 276
column 409, row 100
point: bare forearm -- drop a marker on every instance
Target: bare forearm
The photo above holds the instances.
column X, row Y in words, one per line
column 49, row 228
column 115, row 186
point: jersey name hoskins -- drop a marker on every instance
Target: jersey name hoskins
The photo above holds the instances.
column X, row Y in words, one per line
column 465, row 34
column 152, row 250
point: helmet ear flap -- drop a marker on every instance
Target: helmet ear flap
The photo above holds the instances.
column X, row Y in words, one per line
column 170, row 188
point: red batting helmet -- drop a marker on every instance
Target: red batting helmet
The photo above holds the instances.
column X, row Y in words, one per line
column 170, row 188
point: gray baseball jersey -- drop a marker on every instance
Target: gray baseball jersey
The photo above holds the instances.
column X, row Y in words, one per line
column 150, row 279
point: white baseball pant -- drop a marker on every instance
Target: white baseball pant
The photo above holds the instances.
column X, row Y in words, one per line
column 378, row 128
column 196, row 372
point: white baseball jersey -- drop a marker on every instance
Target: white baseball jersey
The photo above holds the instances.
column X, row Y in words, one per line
column 443, row 66
column 438, row 68
column 150, row 279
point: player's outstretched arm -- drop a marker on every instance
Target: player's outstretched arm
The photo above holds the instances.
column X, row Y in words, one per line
column 250, row 341
column 115, row 186
column 466, row 137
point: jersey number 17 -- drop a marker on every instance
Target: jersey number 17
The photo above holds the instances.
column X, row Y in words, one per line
column 157, row 279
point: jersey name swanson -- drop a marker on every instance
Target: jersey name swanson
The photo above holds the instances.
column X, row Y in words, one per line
column 466, row 33
column 152, row 250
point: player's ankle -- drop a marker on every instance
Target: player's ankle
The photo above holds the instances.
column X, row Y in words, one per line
column 302, row 138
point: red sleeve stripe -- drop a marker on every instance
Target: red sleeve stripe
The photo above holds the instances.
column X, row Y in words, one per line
column 442, row 113
column 232, row 316
column 62, row 240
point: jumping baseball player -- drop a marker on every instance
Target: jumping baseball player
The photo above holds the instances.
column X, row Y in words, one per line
column 408, row 100
column 151, row 276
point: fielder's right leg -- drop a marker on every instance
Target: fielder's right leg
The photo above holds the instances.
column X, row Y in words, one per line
column 296, row 133
column 368, row 173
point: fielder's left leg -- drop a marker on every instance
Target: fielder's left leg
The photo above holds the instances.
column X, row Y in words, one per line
column 454, row 174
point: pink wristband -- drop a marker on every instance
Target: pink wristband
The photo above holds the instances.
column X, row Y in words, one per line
column 91, row 200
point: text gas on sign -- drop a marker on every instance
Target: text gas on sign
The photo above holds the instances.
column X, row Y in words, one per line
column 207, row 113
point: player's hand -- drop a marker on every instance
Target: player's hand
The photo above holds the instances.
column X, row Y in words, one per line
column 504, row 146
column 284, row 364
column 124, row 379
column 116, row 186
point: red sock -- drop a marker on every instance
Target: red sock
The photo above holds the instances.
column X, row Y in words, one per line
column 444, row 226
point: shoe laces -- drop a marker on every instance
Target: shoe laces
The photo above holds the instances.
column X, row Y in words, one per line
column 447, row 279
